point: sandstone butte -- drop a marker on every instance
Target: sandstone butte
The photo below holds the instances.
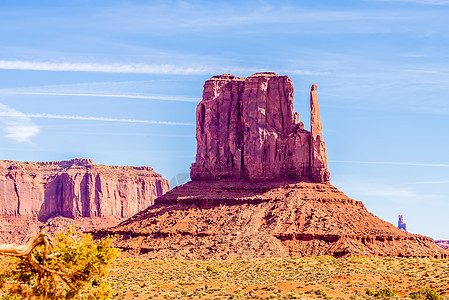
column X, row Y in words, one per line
column 260, row 188
column 73, row 192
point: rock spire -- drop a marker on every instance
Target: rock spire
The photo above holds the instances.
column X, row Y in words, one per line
column 318, row 155
column 401, row 223
column 247, row 129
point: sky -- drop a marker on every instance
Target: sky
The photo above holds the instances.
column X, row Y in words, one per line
column 119, row 81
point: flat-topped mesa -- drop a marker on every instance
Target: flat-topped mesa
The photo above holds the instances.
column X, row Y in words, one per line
column 246, row 128
column 76, row 188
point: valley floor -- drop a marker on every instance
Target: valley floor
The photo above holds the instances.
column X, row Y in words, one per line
column 289, row 278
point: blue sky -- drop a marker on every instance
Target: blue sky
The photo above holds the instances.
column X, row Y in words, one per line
column 119, row 81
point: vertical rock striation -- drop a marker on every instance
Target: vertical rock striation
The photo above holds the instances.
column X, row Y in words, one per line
column 76, row 188
column 247, row 129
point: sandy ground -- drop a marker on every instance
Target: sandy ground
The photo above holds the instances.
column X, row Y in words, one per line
column 291, row 278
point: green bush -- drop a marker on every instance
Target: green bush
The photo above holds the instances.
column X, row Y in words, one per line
column 370, row 292
column 427, row 293
column 384, row 293
column 416, row 295
column 321, row 292
column 73, row 269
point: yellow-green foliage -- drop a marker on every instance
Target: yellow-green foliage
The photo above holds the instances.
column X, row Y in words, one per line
column 427, row 294
column 75, row 269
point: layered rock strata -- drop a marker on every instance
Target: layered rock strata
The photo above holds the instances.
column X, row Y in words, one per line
column 247, row 129
column 37, row 191
column 260, row 188
column 231, row 219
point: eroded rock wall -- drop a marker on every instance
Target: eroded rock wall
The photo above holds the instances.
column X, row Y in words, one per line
column 247, row 129
column 76, row 188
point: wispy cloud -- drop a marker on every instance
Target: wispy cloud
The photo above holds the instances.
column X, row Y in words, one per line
column 105, row 68
column 163, row 98
column 17, row 126
column 137, row 68
column 201, row 17
column 15, row 114
column 396, row 163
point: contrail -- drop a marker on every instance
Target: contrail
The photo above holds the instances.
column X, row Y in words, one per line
column 164, row 69
column 68, row 117
column 164, row 98
column 135, row 68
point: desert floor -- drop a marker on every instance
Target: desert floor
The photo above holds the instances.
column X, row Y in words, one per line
column 288, row 278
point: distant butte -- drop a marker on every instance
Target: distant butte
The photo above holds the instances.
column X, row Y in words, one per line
column 260, row 188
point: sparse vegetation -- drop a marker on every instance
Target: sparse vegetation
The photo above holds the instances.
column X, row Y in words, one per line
column 288, row 278
column 321, row 277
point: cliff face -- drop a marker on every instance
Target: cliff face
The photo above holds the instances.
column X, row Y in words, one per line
column 76, row 188
column 247, row 129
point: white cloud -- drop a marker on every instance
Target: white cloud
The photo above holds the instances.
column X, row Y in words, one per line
column 15, row 114
column 16, row 125
column 21, row 133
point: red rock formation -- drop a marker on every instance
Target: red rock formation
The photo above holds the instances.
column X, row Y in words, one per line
column 247, row 129
column 318, row 155
column 230, row 219
column 75, row 189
